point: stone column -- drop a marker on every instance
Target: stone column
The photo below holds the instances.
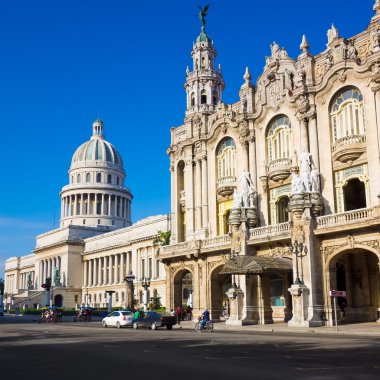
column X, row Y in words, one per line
column 204, row 194
column 109, row 269
column 115, row 269
column 198, row 195
column 104, row 270
column 90, row 275
column 95, row 280
column 81, row 205
column 122, row 272
column 85, row 273
column 304, row 138
column 189, row 188
column 100, row 271
column 252, row 161
column 103, row 204
column 75, row 205
column 313, row 135
column 115, row 205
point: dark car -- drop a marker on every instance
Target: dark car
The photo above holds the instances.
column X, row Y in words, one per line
column 153, row 320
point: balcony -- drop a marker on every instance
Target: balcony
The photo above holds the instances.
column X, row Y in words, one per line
column 279, row 170
column 226, row 185
column 347, row 221
column 349, row 148
column 266, row 234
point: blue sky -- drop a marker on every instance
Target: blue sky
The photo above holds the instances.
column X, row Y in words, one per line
column 65, row 63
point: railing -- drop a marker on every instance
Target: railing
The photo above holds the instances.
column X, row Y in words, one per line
column 348, row 217
column 178, row 246
column 226, row 181
column 279, row 162
column 272, row 231
column 216, row 240
column 348, row 140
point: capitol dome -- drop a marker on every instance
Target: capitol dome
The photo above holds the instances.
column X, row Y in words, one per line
column 97, row 149
column 95, row 195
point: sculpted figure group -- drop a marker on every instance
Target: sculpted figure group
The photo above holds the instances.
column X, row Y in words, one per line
column 248, row 195
column 308, row 178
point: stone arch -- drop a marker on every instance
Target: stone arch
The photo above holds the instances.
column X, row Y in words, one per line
column 354, row 268
column 58, row 300
column 219, row 284
column 183, row 284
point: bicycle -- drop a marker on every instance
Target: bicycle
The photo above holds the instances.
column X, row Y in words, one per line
column 208, row 327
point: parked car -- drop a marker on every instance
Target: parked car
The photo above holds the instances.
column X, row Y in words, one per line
column 153, row 320
column 118, row 318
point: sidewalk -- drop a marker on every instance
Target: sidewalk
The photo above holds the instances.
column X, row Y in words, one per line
column 364, row 329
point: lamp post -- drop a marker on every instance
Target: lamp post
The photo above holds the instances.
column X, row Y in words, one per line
column 300, row 251
column 145, row 283
column 233, row 256
column 86, row 303
column 129, row 288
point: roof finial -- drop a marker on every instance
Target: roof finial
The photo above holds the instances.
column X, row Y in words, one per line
column 202, row 15
column 247, row 76
column 304, row 45
column 97, row 128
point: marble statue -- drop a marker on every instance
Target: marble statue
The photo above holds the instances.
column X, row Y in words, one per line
column 297, row 184
column 314, row 179
column 249, row 194
column 305, row 165
column 237, row 199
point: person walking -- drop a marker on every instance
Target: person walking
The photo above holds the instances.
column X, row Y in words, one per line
column 179, row 315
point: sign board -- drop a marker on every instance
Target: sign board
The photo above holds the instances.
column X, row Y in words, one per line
column 337, row 293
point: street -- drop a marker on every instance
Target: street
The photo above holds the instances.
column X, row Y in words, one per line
column 74, row 350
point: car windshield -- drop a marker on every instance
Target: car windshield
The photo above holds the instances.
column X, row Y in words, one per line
column 126, row 313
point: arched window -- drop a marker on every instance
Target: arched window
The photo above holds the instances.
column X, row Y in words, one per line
column 117, row 180
column 279, row 139
column 226, row 158
column 203, row 64
column 109, row 178
column 88, row 177
column 192, row 99
column 347, row 114
column 203, row 97
column 78, row 178
column 98, row 177
column 214, row 98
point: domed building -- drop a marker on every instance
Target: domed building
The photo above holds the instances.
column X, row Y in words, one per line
column 96, row 195
column 96, row 245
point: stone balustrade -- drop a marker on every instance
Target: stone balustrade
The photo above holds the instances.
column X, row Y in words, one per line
column 348, row 140
column 348, row 218
column 270, row 232
column 216, row 240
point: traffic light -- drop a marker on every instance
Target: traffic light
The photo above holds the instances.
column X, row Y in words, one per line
column 48, row 283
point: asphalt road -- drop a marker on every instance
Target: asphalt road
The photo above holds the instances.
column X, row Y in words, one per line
column 88, row 351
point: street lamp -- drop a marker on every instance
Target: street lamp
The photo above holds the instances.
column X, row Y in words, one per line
column 129, row 283
column 145, row 283
column 233, row 256
column 300, row 251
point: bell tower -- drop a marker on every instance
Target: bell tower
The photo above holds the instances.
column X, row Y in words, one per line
column 204, row 84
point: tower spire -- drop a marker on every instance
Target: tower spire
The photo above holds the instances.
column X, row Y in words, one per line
column 204, row 84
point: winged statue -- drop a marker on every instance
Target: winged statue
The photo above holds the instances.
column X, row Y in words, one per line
column 203, row 14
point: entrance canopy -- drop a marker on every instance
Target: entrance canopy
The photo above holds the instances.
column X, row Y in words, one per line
column 256, row 265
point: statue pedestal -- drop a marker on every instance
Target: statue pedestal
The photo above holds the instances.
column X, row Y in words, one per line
column 300, row 294
column 236, row 296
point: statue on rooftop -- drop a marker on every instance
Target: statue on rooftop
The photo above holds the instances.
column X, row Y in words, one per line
column 203, row 14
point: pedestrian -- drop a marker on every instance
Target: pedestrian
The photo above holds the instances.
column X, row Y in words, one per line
column 179, row 315
column 137, row 314
column 172, row 313
column 342, row 302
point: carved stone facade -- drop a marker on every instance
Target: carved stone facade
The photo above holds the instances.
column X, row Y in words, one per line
column 308, row 134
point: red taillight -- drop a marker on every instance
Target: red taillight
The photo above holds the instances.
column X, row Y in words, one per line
column 124, row 318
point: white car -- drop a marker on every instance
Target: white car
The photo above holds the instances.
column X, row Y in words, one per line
column 118, row 318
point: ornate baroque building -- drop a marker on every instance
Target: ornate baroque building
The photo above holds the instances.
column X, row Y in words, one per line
column 274, row 198
column 294, row 162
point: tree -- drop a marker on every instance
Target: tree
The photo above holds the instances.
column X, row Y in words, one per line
column 163, row 238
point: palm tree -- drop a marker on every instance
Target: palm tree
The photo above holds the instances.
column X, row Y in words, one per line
column 163, row 238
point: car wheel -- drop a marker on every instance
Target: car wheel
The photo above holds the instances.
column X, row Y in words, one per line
column 118, row 325
column 104, row 324
column 153, row 326
column 169, row 327
column 135, row 325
